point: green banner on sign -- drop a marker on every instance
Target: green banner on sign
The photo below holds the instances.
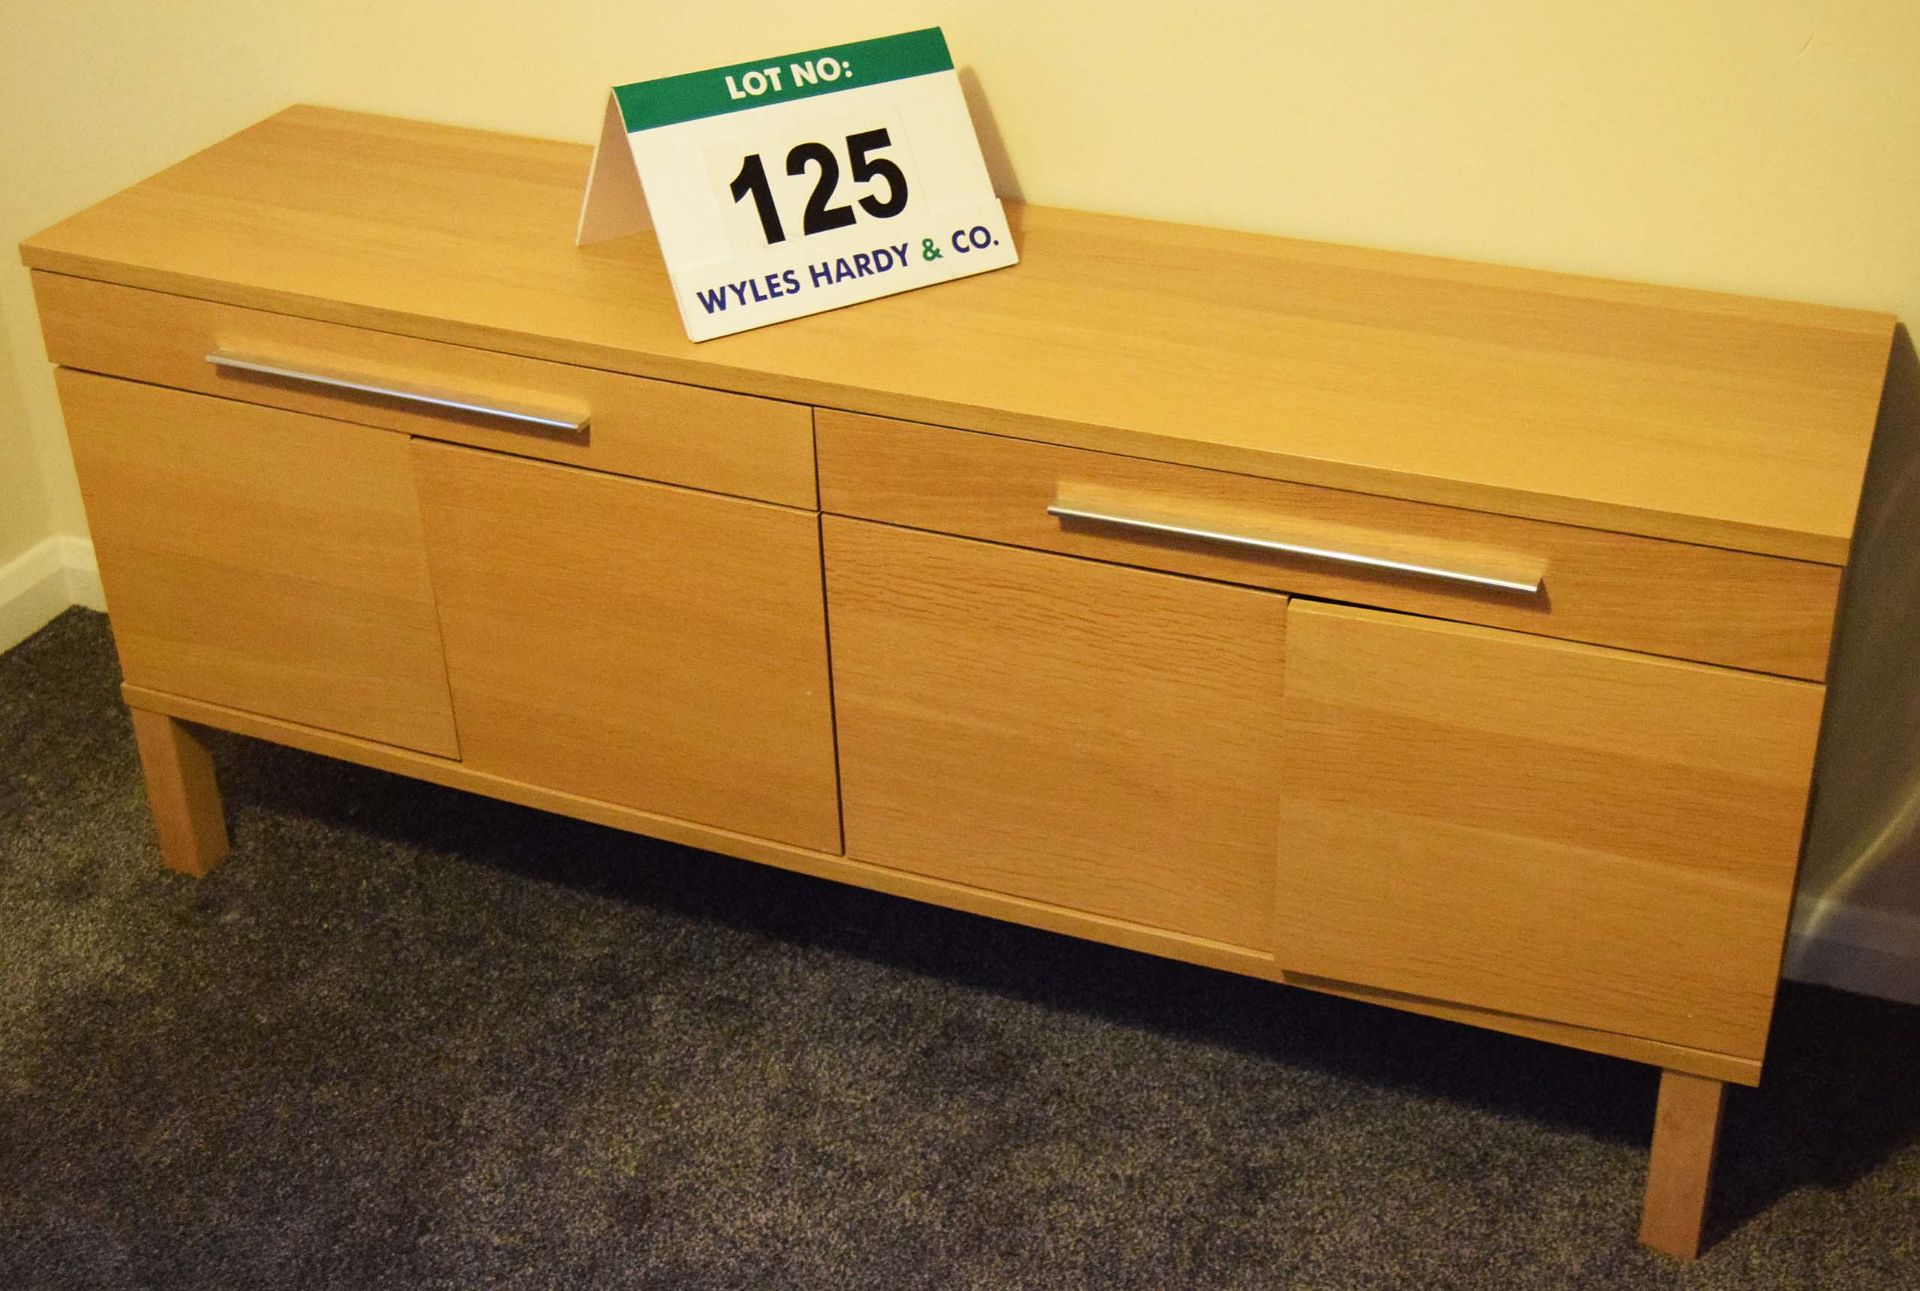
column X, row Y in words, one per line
column 647, row 105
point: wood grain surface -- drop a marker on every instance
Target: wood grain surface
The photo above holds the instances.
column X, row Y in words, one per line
column 1686, row 1136
column 750, row 847
column 918, row 887
column 182, row 792
column 263, row 559
column 1657, row 1053
column 679, row 434
column 639, row 644
column 1554, row 830
column 1670, row 598
column 1099, row 738
column 1675, row 414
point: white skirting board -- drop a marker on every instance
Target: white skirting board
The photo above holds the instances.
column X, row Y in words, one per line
column 1856, row 948
column 1871, row 951
column 43, row 580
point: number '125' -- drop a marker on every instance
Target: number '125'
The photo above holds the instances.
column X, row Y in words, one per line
column 821, row 216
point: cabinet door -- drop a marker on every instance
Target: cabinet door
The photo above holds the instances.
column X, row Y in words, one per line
column 1554, row 830
column 635, row 643
column 265, row 560
column 1093, row 737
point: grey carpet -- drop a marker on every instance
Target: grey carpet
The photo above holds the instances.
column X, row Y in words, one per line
column 407, row 1037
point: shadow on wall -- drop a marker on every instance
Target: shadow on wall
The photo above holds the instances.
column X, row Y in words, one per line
column 993, row 148
column 1857, row 922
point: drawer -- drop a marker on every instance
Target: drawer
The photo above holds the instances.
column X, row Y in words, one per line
column 1668, row 598
column 705, row 439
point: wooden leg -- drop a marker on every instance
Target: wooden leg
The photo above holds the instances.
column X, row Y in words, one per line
column 1686, row 1129
column 182, row 792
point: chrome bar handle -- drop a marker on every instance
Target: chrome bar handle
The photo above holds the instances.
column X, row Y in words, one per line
column 1139, row 524
column 546, row 419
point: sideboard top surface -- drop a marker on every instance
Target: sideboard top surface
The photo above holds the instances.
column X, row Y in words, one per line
column 1670, row 413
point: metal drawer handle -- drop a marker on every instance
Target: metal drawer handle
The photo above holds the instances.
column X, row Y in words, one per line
column 543, row 418
column 1140, row 524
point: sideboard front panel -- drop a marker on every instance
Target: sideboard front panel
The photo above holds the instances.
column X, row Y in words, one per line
column 1668, row 598
column 657, row 430
column 647, row 646
column 1092, row 737
column 1552, row 830
column 262, row 559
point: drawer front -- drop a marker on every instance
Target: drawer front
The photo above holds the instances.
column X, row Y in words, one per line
column 1095, row 738
column 704, row 439
column 642, row 645
column 261, row 559
column 1665, row 598
column 1543, row 829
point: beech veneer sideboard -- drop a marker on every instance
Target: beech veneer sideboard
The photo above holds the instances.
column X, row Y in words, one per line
column 1440, row 635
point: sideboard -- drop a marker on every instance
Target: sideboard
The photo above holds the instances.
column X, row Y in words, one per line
column 1446, row 636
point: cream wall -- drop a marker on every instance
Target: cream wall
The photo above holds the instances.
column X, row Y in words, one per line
column 1760, row 146
column 92, row 96
column 25, row 516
